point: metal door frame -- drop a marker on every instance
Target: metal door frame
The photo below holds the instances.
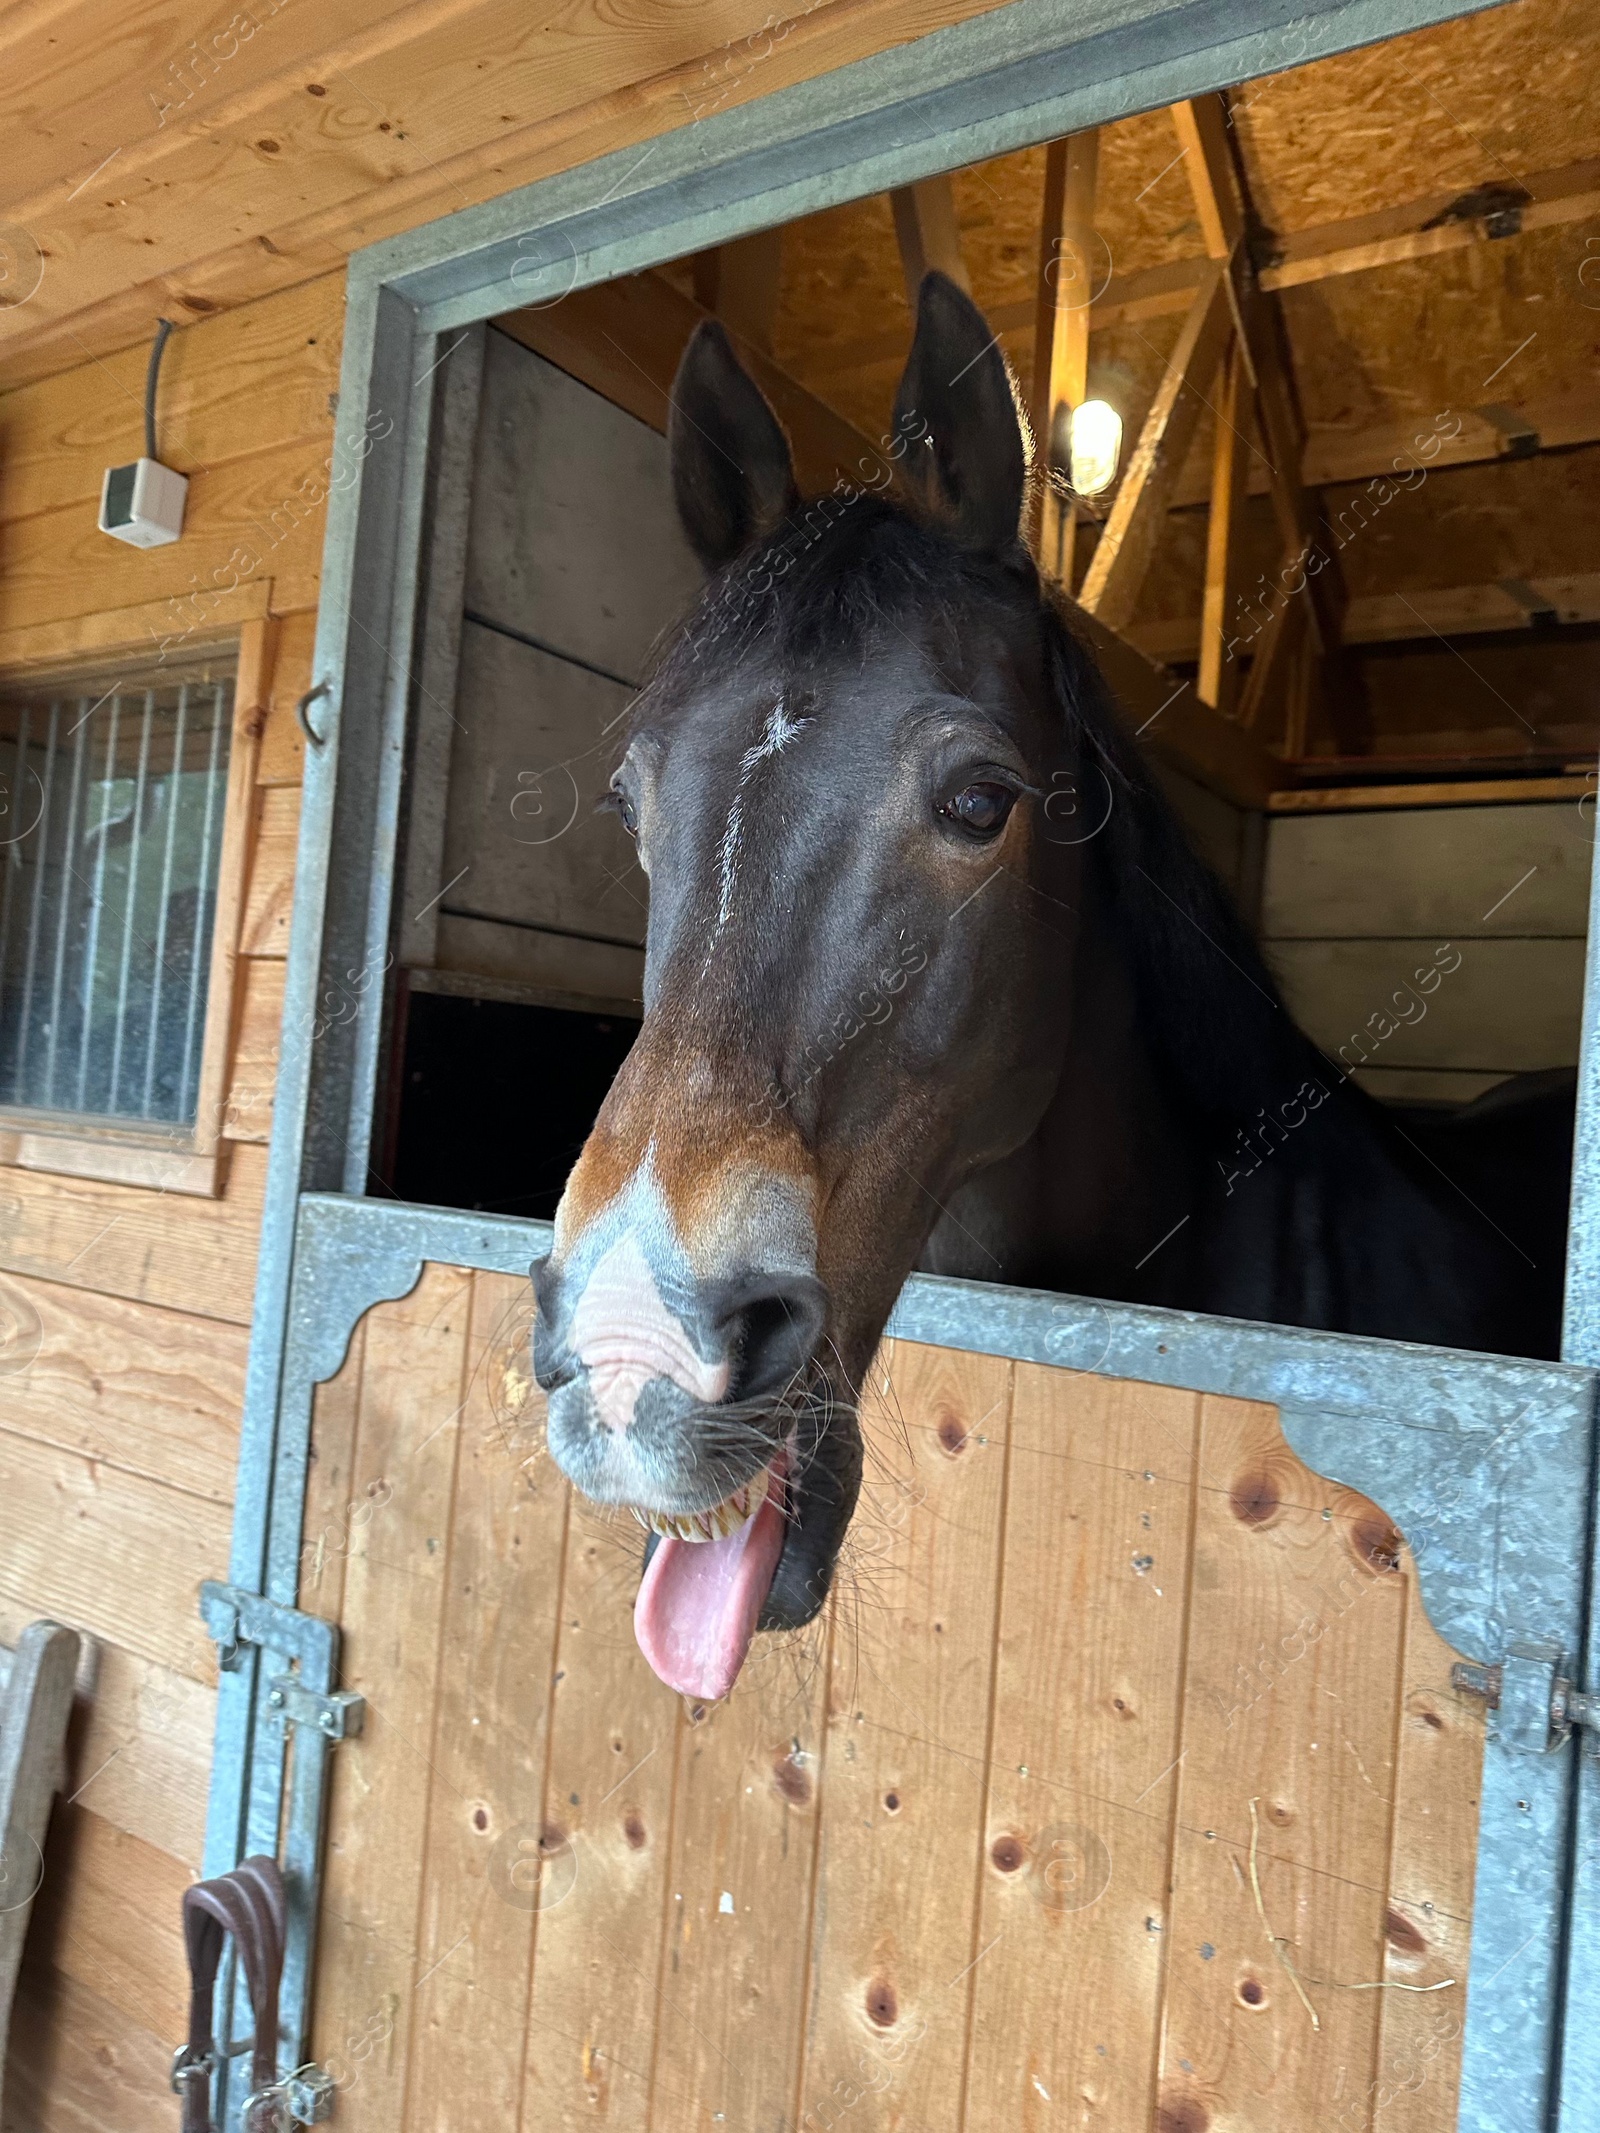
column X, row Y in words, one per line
column 1510, row 1556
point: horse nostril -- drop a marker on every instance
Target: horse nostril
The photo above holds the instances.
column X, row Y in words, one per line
column 772, row 1324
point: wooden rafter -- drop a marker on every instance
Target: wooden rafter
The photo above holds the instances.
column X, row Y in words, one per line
column 1127, row 542
column 1061, row 334
column 928, row 234
column 740, row 283
column 1330, row 250
column 1230, row 475
column 1202, row 129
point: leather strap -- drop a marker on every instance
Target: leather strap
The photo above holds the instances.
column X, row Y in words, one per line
column 250, row 1905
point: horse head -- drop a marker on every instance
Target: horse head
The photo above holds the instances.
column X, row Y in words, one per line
column 839, row 777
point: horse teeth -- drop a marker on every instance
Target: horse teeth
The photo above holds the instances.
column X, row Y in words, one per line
column 719, row 1523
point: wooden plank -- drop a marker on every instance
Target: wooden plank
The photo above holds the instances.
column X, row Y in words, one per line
column 1087, row 1729
column 1219, row 677
column 283, row 745
column 1168, row 717
column 1391, row 235
column 1061, row 336
column 491, row 1858
column 79, row 2065
column 928, row 234
column 250, row 380
column 907, row 1746
column 334, row 1511
column 257, row 516
column 1201, row 124
column 1508, row 1007
column 1303, row 1723
column 1467, row 792
column 574, row 537
column 145, row 627
column 624, row 338
column 252, row 689
column 124, row 1241
column 526, row 840
column 140, row 1746
column 413, row 1378
column 593, row 2012
column 269, row 894
column 730, row 2019
column 1128, row 539
column 380, row 154
column 1444, row 611
column 740, row 282
column 253, row 1069
column 1445, row 873
column 1266, row 700
column 35, row 1705
column 153, row 1391
column 108, row 1916
column 1433, row 1853
column 110, row 1552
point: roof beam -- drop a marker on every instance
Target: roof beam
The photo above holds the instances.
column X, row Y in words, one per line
column 928, row 234
column 1061, row 336
column 740, row 283
column 1128, row 539
column 1449, row 611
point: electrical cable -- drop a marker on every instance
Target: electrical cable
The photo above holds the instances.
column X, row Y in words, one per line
column 151, row 376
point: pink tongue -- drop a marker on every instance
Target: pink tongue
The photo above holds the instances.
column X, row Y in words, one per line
column 700, row 1600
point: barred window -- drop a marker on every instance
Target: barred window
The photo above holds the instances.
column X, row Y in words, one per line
column 112, row 792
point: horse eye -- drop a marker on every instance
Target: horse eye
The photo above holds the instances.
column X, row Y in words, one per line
column 624, row 807
column 981, row 809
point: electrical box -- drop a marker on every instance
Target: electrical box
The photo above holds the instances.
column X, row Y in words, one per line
column 143, row 503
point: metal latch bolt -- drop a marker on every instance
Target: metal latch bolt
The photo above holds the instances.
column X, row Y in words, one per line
column 1537, row 1704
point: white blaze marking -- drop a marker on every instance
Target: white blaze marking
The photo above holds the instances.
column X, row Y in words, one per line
column 779, row 731
column 625, row 1335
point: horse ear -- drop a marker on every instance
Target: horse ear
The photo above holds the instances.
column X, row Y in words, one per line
column 732, row 476
column 956, row 398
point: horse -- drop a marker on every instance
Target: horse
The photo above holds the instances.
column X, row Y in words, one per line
column 933, row 979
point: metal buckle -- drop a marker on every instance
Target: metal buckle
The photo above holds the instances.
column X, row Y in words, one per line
column 187, row 2062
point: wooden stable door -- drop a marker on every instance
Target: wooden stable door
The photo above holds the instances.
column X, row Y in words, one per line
column 1122, row 1783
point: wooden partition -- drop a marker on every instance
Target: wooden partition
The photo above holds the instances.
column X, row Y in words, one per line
column 1121, row 1785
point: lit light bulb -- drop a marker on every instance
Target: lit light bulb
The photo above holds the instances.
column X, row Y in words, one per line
column 1096, row 446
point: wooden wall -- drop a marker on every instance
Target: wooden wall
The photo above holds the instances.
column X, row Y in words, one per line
column 973, row 1851
column 118, row 1444
column 1494, row 900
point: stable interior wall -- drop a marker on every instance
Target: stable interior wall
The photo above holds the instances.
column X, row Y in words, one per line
column 1433, row 951
column 118, row 1441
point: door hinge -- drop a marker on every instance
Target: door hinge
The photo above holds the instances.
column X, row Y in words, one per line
column 1536, row 1702
column 306, row 1696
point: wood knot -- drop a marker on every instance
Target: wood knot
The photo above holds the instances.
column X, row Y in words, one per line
column 952, row 1433
column 882, row 2006
column 480, row 1818
column 1254, row 1498
column 315, row 88
column 633, row 1830
column 1182, row 2115
column 1007, row 1854
column 552, row 1839
column 791, row 1780
column 891, row 1801
column 1375, row 1541
column 1252, row 1992
column 268, row 146
column 1402, row 1934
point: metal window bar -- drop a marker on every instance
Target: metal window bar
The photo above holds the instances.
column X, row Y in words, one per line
column 15, row 828
column 158, row 974
column 187, row 1095
column 105, row 946
column 91, row 955
column 125, row 959
column 66, row 875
